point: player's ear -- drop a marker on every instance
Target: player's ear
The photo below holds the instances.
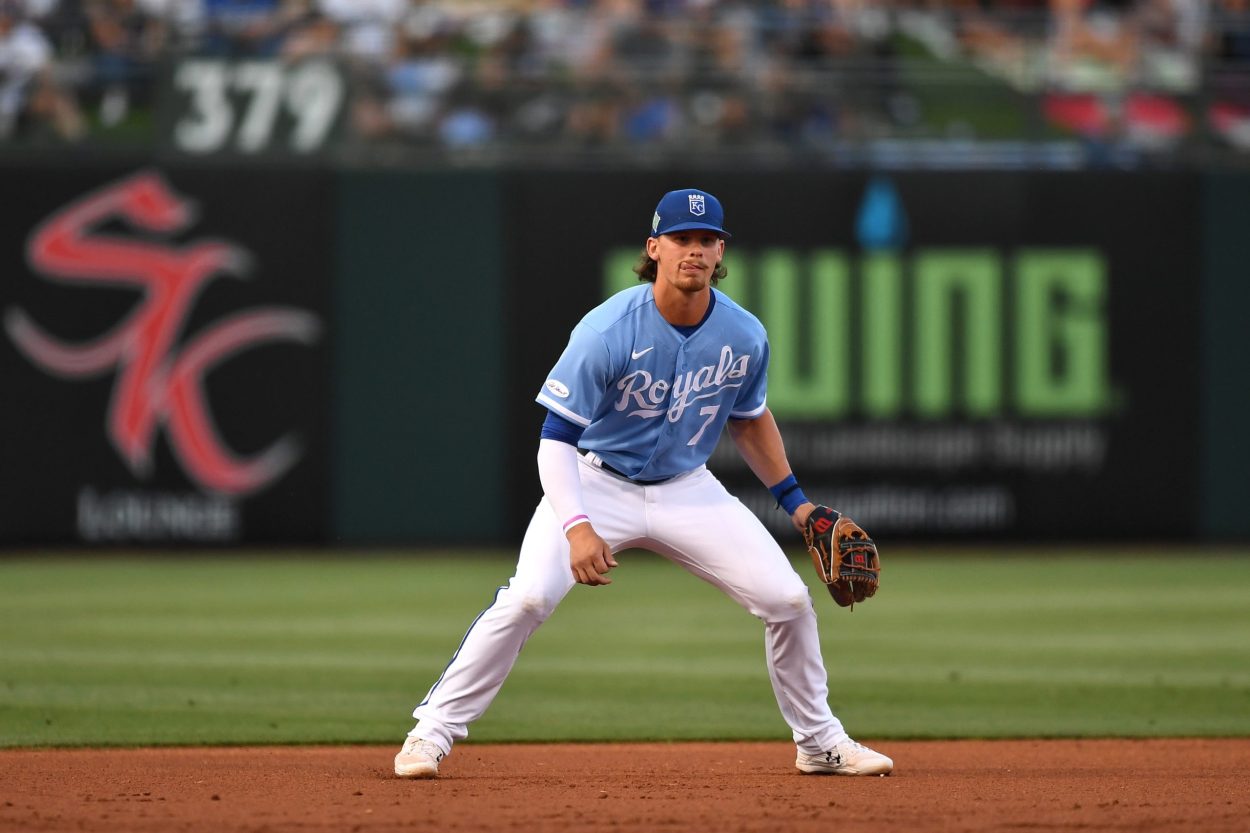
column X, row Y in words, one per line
column 653, row 248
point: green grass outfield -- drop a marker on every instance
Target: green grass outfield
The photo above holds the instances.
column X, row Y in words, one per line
column 338, row 648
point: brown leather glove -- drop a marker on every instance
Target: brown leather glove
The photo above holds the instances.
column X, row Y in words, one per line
column 844, row 556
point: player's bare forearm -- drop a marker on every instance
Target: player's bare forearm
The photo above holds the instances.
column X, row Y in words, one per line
column 590, row 558
column 760, row 444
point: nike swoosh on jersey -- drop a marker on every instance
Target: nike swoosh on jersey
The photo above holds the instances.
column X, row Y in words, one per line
column 638, row 354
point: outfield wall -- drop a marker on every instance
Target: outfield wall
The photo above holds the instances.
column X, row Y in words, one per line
column 228, row 356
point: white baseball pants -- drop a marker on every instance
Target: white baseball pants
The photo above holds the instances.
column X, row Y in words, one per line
column 691, row 520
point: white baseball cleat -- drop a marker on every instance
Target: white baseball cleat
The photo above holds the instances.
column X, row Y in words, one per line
column 418, row 759
column 847, row 758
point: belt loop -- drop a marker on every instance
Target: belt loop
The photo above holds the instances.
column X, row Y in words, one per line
column 594, row 459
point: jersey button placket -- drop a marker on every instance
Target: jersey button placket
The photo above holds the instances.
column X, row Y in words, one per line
column 681, row 368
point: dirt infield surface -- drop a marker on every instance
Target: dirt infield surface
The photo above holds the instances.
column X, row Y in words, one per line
column 724, row 787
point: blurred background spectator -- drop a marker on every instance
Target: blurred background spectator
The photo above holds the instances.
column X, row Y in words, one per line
column 33, row 102
column 240, row 28
column 1075, row 82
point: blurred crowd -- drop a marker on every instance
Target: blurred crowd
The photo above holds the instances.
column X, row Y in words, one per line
column 699, row 75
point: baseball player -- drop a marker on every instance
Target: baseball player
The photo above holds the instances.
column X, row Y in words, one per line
column 635, row 406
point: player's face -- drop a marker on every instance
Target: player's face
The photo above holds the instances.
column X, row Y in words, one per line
column 686, row 259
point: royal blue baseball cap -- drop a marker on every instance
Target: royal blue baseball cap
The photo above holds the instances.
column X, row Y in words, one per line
column 688, row 208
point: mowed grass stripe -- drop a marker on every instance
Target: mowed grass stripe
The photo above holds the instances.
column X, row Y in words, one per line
column 261, row 649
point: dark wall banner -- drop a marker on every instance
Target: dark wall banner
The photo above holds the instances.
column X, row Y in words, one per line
column 1226, row 357
column 164, row 356
column 419, row 360
column 972, row 355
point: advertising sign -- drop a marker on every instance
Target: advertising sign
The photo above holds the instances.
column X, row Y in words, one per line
column 164, row 355
column 995, row 356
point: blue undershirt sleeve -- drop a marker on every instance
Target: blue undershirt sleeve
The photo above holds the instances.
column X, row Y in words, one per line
column 556, row 427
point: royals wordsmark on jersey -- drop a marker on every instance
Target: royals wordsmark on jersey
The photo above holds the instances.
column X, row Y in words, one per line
column 654, row 402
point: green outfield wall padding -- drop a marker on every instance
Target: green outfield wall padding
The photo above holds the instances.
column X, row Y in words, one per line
column 418, row 358
column 1226, row 356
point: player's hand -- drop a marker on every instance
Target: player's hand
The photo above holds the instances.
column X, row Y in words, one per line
column 799, row 518
column 589, row 556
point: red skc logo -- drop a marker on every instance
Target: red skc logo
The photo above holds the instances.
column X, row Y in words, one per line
column 159, row 384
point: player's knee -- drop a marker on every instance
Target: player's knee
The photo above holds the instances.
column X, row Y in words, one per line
column 787, row 603
column 529, row 606
column 537, row 606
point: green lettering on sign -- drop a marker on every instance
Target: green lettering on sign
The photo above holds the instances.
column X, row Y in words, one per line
column 1053, row 328
column 972, row 278
column 1061, row 356
column 737, row 283
column 819, row 386
column 882, row 278
column 618, row 270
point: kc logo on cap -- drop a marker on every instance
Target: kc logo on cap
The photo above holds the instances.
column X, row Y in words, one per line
column 697, row 205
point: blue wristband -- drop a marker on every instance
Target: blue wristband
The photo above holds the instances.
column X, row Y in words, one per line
column 788, row 494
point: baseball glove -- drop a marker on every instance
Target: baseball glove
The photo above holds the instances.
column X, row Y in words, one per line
column 845, row 557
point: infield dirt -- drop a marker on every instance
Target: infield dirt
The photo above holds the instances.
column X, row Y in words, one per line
column 937, row 786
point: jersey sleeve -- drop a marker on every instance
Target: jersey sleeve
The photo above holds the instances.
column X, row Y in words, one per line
column 752, row 396
column 576, row 384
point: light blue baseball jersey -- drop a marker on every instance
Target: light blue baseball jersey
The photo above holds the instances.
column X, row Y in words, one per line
column 653, row 401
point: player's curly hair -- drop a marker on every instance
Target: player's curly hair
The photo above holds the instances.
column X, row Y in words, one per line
column 645, row 269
